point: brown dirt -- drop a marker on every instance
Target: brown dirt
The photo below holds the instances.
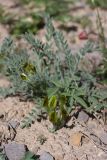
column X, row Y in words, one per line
column 60, row 144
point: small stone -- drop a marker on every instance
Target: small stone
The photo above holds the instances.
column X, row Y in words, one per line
column 13, row 124
column 46, row 156
column 15, row 151
column 103, row 137
column 70, row 123
column 92, row 124
column 83, row 117
column 95, row 138
column 75, row 139
column 59, row 156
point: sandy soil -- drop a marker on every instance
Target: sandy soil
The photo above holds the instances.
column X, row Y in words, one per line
column 76, row 143
column 62, row 144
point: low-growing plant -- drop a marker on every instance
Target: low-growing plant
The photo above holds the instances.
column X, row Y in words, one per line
column 41, row 139
column 100, row 27
column 30, row 21
column 84, row 21
column 2, row 157
column 98, row 3
column 59, row 9
column 30, row 156
column 50, row 75
column 30, row 24
column 102, row 70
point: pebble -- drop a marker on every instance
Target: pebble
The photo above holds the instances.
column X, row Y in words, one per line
column 15, row 151
column 83, row 117
column 13, row 124
column 103, row 137
column 46, row 156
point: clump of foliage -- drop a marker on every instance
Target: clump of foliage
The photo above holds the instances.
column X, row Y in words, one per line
column 30, row 156
column 59, row 9
column 31, row 22
column 2, row 156
column 32, row 19
column 84, row 21
column 41, row 139
column 50, row 74
column 6, row 18
column 98, row 3
column 102, row 70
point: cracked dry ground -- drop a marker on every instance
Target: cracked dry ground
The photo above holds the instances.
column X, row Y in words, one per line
column 86, row 140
